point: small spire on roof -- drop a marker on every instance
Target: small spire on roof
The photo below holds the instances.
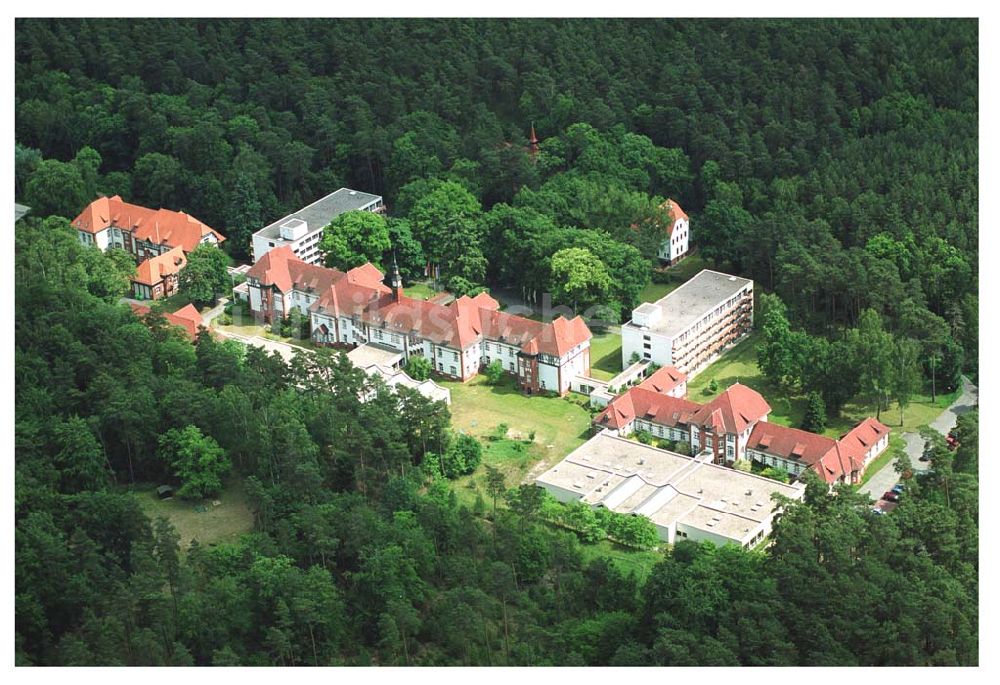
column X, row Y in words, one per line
column 397, row 280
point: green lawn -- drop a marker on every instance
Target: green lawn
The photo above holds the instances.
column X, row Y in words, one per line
column 201, row 520
column 560, row 426
column 740, row 364
column 627, row 560
column 420, row 290
column 170, row 304
column 606, row 355
column 678, row 275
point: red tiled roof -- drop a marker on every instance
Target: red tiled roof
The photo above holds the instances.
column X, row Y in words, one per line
column 186, row 317
column 675, row 213
column 155, row 269
column 649, row 405
column 860, row 439
column 281, row 268
column 790, row 443
column 831, row 459
column 159, row 226
column 459, row 324
column 733, row 410
column 366, row 274
column 664, row 379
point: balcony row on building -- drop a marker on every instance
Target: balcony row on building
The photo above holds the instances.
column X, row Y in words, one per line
column 690, row 327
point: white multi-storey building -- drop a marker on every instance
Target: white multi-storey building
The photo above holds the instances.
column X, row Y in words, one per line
column 302, row 230
column 690, row 327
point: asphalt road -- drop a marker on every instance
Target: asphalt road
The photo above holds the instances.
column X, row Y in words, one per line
column 887, row 477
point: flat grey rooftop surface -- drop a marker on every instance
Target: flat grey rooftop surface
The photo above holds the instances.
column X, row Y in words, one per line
column 370, row 353
column 693, row 300
column 321, row 212
column 629, row 477
column 20, row 210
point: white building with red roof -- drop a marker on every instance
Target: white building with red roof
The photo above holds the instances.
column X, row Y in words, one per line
column 734, row 427
column 158, row 239
column 675, row 245
column 111, row 222
column 357, row 308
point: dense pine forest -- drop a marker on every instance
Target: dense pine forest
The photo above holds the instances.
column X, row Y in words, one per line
column 834, row 162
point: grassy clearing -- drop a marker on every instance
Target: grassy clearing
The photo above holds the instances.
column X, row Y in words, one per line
column 606, row 355
column 677, row 276
column 170, row 304
column 559, row 425
column 628, row 560
column 216, row 524
column 420, row 290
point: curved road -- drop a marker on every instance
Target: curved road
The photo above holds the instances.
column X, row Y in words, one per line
column 885, row 478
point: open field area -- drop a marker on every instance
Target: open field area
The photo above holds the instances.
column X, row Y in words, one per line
column 170, row 304
column 628, row 560
column 201, row 520
column 559, row 425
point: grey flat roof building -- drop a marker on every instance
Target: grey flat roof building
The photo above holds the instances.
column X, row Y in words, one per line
column 20, row 211
column 302, row 230
column 320, row 213
column 690, row 303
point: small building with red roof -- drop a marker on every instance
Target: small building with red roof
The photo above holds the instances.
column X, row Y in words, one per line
column 666, row 380
column 186, row 318
column 158, row 276
column 674, row 247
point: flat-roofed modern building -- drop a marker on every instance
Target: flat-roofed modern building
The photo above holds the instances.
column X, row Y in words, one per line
column 302, row 230
column 685, row 497
column 690, row 327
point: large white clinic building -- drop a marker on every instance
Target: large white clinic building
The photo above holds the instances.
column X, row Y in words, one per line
column 685, row 497
column 302, row 230
column 690, row 327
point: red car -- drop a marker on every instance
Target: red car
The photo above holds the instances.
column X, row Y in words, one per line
column 890, row 496
column 952, row 442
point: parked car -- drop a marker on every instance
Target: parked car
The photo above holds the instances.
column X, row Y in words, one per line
column 876, row 510
column 898, row 488
column 925, row 457
column 952, row 442
column 890, row 496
